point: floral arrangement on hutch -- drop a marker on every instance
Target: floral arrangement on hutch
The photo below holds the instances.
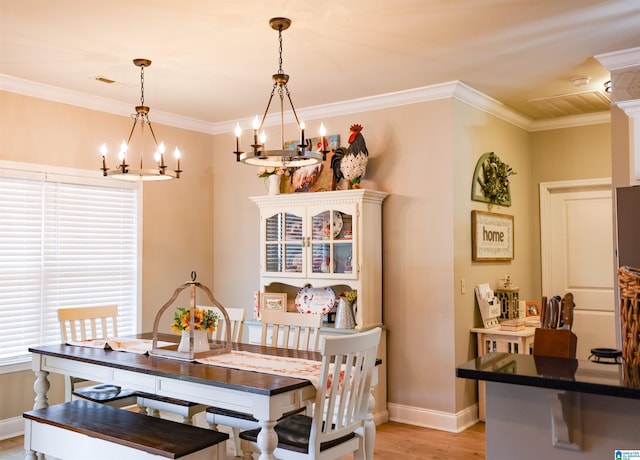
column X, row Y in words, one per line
column 271, row 176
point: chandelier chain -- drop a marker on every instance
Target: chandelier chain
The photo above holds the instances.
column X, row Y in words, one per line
column 142, row 84
column 280, row 50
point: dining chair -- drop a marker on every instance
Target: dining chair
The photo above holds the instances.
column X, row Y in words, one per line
column 279, row 329
column 100, row 322
column 86, row 323
column 236, row 318
column 154, row 404
column 336, row 426
column 290, row 330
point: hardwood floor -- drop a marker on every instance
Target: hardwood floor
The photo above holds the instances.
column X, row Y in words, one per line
column 393, row 441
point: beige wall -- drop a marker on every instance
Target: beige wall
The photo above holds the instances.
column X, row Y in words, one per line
column 476, row 133
column 177, row 215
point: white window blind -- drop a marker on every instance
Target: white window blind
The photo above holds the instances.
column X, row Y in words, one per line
column 64, row 242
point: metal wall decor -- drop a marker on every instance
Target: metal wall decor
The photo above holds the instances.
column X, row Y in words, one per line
column 491, row 181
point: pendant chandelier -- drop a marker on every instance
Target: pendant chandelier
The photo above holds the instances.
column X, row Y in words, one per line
column 124, row 171
column 302, row 154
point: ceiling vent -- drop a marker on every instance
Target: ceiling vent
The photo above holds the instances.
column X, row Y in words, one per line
column 571, row 104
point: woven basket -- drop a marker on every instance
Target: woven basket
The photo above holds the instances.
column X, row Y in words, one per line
column 629, row 282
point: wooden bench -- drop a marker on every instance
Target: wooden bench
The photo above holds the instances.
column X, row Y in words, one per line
column 79, row 430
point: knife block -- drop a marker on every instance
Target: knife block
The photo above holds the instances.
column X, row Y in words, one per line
column 557, row 343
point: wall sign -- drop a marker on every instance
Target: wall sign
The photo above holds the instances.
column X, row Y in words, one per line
column 492, row 236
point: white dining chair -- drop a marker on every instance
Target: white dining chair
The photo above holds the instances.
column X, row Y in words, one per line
column 86, row 323
column 279, row 329
column 336, row 427
column 100, row 322
column 290, row 330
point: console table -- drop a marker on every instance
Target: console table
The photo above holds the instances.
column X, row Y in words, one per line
column 495, row 339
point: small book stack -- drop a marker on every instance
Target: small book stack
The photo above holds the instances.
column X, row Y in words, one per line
column 512, row 325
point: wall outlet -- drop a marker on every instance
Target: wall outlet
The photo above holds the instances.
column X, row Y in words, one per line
column 463, row 286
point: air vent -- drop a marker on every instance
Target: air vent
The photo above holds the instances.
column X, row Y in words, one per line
column 105, row 80
column 571, row 104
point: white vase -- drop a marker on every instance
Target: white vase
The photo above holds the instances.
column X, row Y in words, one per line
column 200, row 341
column 272, row 183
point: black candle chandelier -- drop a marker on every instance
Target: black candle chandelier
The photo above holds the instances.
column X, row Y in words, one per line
column 141, row 118
column 302, row 154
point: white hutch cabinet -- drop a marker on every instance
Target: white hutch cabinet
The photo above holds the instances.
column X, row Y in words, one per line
column 326, row 239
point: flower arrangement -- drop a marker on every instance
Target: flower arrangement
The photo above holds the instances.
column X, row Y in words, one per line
column 351, row 296
column 203, row 319
column 272, row 170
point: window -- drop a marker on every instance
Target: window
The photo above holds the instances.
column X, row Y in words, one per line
column 65, row 240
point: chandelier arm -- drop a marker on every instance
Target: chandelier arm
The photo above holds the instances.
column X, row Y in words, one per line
column 264, row 116
column 152, row 133
column 135, row 121
column 293, row 109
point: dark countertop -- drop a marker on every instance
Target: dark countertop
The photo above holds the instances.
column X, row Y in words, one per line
column 556, row 373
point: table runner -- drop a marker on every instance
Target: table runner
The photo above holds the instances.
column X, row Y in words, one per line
column 268, row 364
column 140, row 346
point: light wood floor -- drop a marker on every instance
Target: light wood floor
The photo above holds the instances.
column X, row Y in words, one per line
column 393, row 441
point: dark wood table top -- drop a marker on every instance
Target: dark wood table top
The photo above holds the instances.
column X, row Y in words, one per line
column 253, row 382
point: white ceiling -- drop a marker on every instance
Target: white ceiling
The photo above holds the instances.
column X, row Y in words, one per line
column 213, row 60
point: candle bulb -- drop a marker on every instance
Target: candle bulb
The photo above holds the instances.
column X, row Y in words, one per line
column 103, row 152
column 238, row 134
column 161, row 149
column 323, row 133
column 176, row 154
column 256, row 126
column 302, row 134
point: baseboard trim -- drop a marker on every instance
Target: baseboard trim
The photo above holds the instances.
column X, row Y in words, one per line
column 11, row 427
column 381, row 417
column 438, row 420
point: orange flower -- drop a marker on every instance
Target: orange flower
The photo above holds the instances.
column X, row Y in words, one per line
column 202, row 319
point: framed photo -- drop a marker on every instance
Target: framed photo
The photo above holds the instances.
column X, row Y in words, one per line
column 492, row 237
column 273, row 301
column 533, row 308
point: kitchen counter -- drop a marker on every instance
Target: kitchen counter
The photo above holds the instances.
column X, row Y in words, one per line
column 555, row 373
column 557, row 408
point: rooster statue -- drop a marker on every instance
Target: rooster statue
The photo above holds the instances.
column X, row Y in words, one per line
column 351, row 163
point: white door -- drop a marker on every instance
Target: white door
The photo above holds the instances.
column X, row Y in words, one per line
column 576, row 229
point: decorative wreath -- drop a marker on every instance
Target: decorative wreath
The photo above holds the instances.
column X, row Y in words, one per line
column 492, row 176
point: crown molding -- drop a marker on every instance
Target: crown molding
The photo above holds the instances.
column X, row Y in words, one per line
column 452, row 89
column 365, row 104
column 88, row 101
column 620, row 59
column 572, row 121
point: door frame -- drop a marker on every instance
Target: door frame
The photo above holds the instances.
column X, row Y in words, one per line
column 546, row 190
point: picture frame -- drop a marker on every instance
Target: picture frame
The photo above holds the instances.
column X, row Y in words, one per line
column 273, row 301
column 492, row 237
column 532, row 308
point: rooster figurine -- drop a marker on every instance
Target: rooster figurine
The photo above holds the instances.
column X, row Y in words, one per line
column 351, row 163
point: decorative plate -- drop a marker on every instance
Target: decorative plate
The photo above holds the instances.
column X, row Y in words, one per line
column 315, row 300
column 337, row 225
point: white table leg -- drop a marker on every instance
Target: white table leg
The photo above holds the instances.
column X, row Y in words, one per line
column 267, row 440
column 369, row 430
column 41, row 387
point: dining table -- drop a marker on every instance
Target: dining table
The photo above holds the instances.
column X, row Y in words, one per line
column 264, row 394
